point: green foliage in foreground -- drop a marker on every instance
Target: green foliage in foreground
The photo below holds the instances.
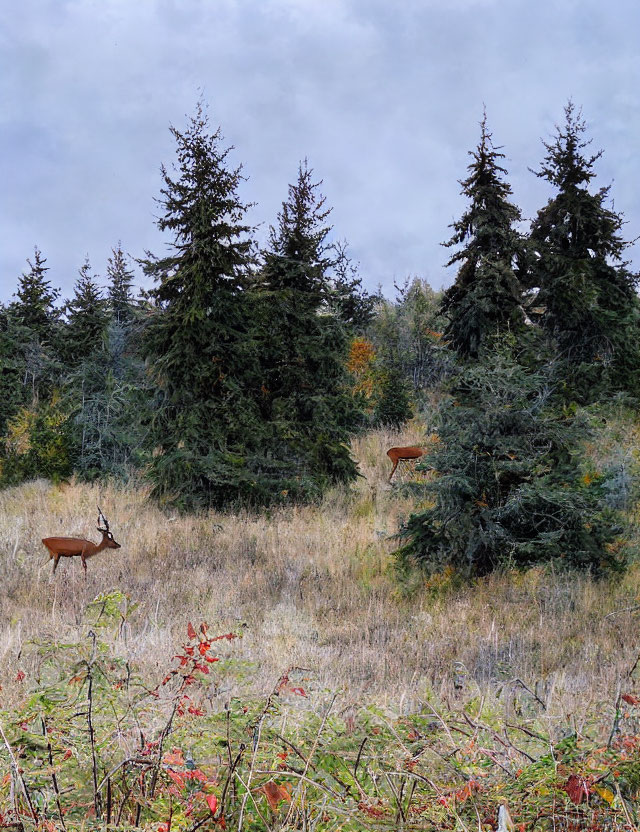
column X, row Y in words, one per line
column 509, row 488
column 92, row 745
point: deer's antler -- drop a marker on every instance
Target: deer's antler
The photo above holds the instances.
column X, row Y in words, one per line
column 104, row 520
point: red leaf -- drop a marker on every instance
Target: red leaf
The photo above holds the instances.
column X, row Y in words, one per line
column 201, row 667
column 190, row 631
column 212, row 802
column 196, row 774
column 211, row 659
column 176, row 777
column 371, row 811
column 299, row 691
column 274, row 794
column 203, row 647
column 67, row 754
column 203, row 628
column 174, row 757
column 20, row 675
column 577, row 789
column 630, row 699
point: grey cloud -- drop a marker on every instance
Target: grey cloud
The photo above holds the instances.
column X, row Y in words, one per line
column 384, row 99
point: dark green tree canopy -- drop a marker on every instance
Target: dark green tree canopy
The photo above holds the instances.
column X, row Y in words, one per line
column 485, row 299
column 508, row 489
column 34, row 307
column 212, row 245
column 582, row 291
column 87, row 316
column 349, row 300
column 303, row 342
column 202, row 359
column 298, row 254
column 120, row 276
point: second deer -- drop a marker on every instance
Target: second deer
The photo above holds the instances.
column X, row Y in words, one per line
column 397, row 455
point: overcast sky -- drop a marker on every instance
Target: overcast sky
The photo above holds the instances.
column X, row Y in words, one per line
column 383, row 97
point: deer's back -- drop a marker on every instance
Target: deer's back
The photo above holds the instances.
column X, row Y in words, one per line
column 67, row 545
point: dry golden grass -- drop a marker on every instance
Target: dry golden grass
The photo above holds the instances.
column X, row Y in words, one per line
column 313, row 586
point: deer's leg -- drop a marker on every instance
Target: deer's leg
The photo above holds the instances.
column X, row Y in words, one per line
column 395, row 465
column 56, row 558
column 84, row 565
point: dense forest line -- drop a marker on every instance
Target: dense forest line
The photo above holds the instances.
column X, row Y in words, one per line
column 240, row 377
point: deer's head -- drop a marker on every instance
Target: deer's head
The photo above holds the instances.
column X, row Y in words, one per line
column 107, row 536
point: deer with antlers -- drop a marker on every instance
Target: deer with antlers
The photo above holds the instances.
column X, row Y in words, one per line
column 71, row 547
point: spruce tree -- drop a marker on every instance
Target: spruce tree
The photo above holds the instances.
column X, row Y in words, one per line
column 33, row 425
column 509, row 489
column 120, row 291
column 34, row 332
column 197, row 343
column 348, row 299
column 11, row 370
column 303, row 346
column 87, row 318
column 34, row 308
column 485, row 299
column 585, row 294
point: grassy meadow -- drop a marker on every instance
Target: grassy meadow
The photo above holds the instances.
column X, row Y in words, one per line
column 313, row 597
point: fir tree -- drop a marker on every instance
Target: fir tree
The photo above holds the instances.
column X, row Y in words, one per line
column 11, row 369
column 32, row 334
column 393, row 402
column 120, row 276
column 303, row 345
column 485, row 299
column 87, row 318
column 585, row 298
column 349, row 300
column 509, row 490
column 198, row 343
column 34, row 308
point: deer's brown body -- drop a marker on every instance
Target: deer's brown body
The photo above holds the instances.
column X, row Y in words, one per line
column 71, row 547
column 398, row 454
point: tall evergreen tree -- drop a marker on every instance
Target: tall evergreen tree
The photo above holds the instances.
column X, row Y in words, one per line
column 33, row 332
column 197, row 343
column 34, row 307
column 510, row 490
column 11, row 369
column 120, row 291
column 33, row 425
column 303, row 345
column 485, row 299
column 349, row 300
column 585, row 296
column 87, row 318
